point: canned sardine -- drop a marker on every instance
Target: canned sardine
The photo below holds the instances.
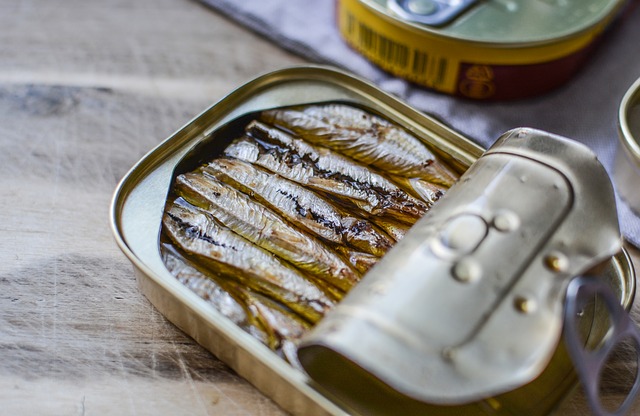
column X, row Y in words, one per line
column 255, row 196
column 496, row 49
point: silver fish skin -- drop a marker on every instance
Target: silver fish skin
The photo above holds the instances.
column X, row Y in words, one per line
column 198, row 233
column 213, row 292
column 326, row 171
column 203, row 286
column 423, row 189
column 396, row 230
column 361, row 261
column 281, row 324
column 301, row 206
column 265, row 228
column 267, row 320
column 251, row 151
column 289, row 351
column 363, row 137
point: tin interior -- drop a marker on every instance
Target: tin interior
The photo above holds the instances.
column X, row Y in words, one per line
column 627, row 167
column 137, row 210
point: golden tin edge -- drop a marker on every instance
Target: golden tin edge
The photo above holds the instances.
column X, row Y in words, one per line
column 630, row 99
column 627, row 162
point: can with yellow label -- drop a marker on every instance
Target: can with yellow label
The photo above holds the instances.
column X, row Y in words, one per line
column 480, row 49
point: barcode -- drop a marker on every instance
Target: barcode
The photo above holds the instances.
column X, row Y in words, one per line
column 416, row 64
column 425, row 65
column 382, row 46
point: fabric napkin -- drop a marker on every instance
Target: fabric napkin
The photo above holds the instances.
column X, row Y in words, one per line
column 585, row 109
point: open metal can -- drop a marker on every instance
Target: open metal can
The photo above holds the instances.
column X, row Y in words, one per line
column 137, row 215
column 495, row 49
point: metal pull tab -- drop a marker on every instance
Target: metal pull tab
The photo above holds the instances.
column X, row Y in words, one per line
column 430, row 12
column 470, row 303
column 590, row 362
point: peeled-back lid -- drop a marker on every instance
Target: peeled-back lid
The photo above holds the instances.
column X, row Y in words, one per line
column 470, row 303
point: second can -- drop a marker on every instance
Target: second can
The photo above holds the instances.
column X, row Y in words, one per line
column 480, row 49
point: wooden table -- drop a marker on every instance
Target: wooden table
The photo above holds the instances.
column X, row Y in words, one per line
column 86, row 89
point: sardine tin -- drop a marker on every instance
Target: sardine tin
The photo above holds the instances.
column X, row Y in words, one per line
column 627, row 166
column 494, row 49
column 136, row 214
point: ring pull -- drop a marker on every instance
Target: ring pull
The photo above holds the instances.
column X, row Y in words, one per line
column 430, row 12
column 590, row 362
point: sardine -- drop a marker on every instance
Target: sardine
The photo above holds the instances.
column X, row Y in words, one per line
column 281, row 323
column 347, row 182
column 196, row 232
column 395, row 229
column 302, row 207
column 289, row 351
column 363, row 137
column 265, row 228
column 423, row 189
column 206, row 285
column 266, row 320
column 361, row 261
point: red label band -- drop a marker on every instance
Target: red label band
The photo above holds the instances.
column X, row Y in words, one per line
column 507, row 82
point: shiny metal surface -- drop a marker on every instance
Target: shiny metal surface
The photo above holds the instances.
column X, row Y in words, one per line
column 451, row 323
column 627, row 167
column 516, row 21
column 430, row 12
column 590, row 361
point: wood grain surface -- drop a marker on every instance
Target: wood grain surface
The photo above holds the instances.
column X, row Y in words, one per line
column 86, row 89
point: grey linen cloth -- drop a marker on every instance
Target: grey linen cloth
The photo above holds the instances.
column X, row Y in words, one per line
column 585, row 109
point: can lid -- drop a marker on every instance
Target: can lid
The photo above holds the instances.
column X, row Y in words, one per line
column 430, row 12
column 468, row 305
column 508, row 21
column 627, row 167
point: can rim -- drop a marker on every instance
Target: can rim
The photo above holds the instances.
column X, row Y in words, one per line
column 627, row 138
column 628, row 287
column 584, row 29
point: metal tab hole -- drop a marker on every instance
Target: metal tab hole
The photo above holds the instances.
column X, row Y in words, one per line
column 612, row 344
